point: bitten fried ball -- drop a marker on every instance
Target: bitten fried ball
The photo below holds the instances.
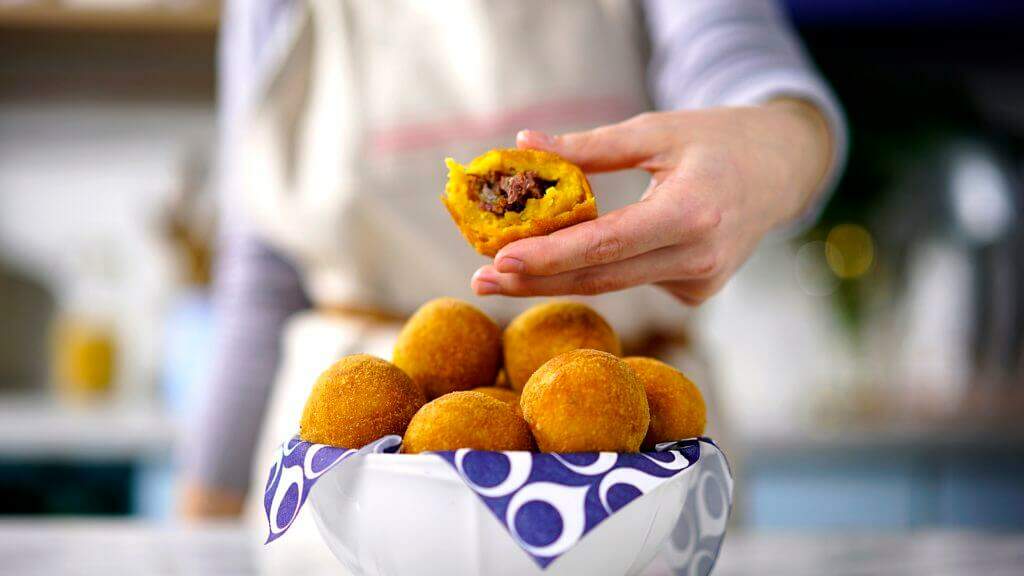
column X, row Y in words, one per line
column 677, row 406
column 449, row 345
column 586, row 401
column 357, row 400
column 510, row 397
column 467, row 420
column 547, row 330
column 506, row 195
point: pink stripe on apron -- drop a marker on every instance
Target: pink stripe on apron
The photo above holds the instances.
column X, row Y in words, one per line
column 490, row 125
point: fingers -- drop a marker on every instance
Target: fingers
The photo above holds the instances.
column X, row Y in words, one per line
column 627, row 232
column 655, row 266
column 636, row 229
column 627, row 144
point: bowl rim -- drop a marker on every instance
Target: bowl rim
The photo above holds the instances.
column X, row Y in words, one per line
column 429, row 456
column 432, row 455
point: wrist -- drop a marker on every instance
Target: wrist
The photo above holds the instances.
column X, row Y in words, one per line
column 808, row 149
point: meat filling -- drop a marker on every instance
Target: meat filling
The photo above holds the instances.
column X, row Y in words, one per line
column 501, row 192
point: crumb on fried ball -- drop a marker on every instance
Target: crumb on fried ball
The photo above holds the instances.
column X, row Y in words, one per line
column 510, row 397
column 467, row 420
column 547, row 330
column 677, row 406
column 449, row 345
column 357, row 400
column 586, row 401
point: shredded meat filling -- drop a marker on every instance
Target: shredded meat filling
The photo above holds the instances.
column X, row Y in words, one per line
column 501, row 192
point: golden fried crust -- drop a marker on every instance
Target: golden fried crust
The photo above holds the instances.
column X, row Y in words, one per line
column 467, row 420
column 569, row 202
column 357, row 400
column 677, row 406
column 547, row 330
column 586, row 401
column 510, row 397
column 449, row 345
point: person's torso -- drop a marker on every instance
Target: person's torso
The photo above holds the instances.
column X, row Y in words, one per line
column 348, row 147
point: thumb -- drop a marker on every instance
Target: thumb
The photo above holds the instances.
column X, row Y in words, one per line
column 613, row 147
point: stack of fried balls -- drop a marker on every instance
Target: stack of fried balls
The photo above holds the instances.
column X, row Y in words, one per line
column 553, row 381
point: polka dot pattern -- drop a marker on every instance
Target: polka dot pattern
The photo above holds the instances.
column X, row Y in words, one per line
column 548, row 502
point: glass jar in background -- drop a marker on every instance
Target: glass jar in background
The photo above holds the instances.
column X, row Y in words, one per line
column 84, row 356
column 84, row 343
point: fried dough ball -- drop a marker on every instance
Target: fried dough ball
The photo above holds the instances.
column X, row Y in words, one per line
column 467, row 420
column 677, row 406
column 357, row 400
column 510, row 397
column 449, row 345
column 547, row 330
column 586, row 401
column 507, row 195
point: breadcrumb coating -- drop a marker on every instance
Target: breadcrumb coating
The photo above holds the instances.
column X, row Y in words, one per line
column 357, row 400
column 449, row 345
column 510, row 397
column 547, row 330
column 677, row 406
column 467, row 420
column 586, row 401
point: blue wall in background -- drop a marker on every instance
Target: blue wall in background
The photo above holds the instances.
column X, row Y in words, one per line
column 969, row 488
column 901, row 12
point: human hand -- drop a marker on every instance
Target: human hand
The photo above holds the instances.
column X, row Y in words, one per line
column 720, row 180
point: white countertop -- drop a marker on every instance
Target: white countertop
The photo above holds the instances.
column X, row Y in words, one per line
column 41, row 428
column 931, row 553
column 121, row 547
column 86, row 547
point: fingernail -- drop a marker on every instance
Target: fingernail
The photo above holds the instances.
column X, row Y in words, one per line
column 484, row 288
column 485, row 283
column 534, row 138
column 510, row 265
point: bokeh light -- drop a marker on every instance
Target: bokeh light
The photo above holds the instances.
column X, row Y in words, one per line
column 849, row 250
column 981, row 196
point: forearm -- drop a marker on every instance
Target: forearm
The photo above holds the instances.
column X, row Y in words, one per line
column 711, row 53
column 255, row 293
column 810, row 153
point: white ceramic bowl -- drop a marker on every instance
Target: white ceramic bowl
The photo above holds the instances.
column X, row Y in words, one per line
column 404, row 514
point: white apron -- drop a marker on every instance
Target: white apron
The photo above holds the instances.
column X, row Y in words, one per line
column 344, row 169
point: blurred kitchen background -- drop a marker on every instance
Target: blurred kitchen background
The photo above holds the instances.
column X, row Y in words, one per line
column 871, row 371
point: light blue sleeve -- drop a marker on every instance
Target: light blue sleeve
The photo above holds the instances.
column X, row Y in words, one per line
column 708, row 53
